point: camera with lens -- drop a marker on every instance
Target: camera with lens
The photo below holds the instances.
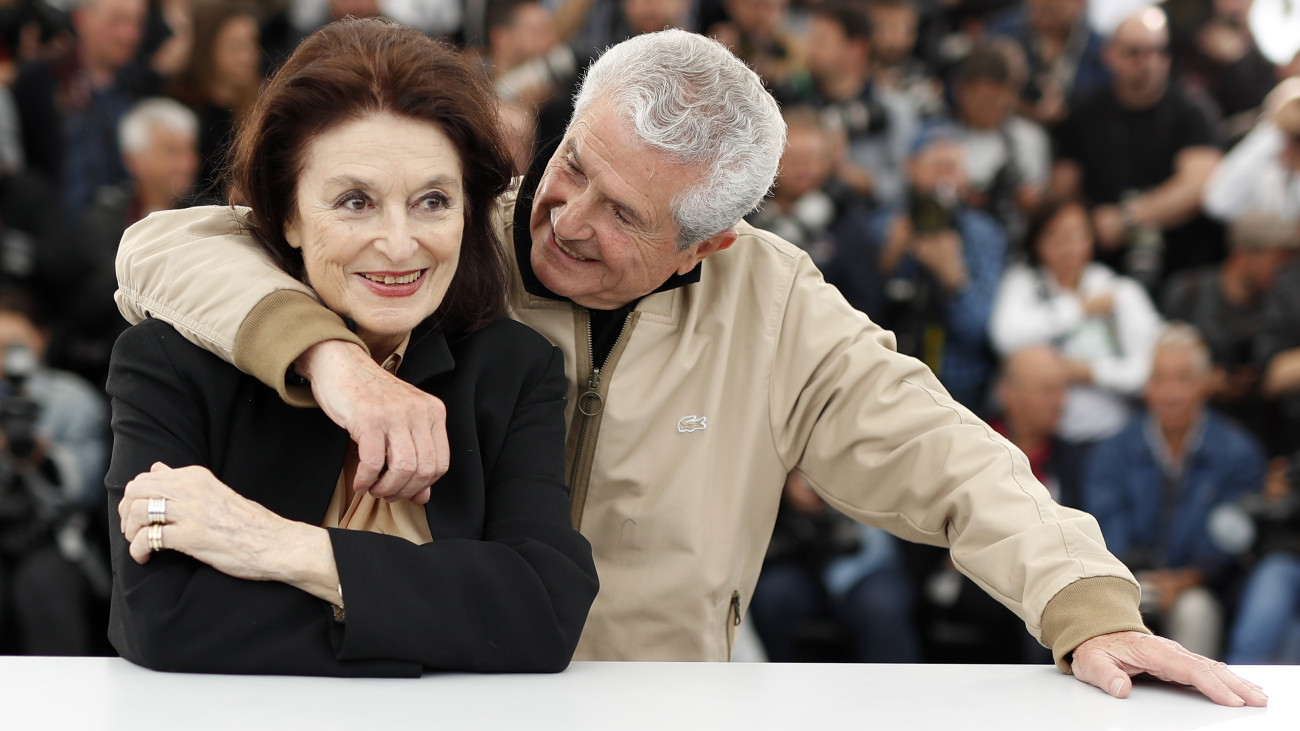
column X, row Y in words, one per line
column 933, row 212
column 1259, row 524
column 856, row 118
column 18, row 413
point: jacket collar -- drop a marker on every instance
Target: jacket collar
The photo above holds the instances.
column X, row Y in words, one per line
column 427, row 356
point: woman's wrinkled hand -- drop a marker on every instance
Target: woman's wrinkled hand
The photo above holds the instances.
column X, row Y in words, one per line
column 205, row 519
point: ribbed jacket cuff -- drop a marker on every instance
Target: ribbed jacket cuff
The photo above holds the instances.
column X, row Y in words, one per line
column 1088, row 608
column 278, row 330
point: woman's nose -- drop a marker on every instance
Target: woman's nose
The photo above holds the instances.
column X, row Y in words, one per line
column 396, row 240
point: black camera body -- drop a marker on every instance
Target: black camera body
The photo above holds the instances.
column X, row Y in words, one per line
column 18, row 413
column 931, row 213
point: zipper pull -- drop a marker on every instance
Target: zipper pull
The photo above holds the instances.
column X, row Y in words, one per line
column 591, row 402
column 735, row 608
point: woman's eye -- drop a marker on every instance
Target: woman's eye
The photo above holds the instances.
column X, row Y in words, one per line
column 434, row 202
column 353, row 202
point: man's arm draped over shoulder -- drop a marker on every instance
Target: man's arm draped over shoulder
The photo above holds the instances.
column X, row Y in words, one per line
column 196, row 271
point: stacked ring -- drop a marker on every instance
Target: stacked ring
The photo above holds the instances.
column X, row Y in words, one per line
column 155, row 537
column 157, row 510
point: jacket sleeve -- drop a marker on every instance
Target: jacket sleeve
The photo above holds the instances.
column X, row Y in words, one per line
column 514, row 601
column 194, row 270
column 881, row 441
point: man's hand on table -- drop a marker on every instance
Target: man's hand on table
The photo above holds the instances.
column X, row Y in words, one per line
column 1109, row 662
column 394, row 424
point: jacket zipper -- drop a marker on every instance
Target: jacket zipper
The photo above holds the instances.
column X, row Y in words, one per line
column 733, row 621
column 590, row 405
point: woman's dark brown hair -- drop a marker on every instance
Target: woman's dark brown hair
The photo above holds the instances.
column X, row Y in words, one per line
column 347, row 71
column 1043, row 216
column 194, row 83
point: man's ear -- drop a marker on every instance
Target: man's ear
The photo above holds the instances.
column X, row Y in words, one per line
column 707, row 248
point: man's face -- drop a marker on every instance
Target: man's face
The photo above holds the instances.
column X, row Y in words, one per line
column 806, row 163
column 1177, row 389
column 893, row 32
column 602, row 228
column 1263, row 267
column 761, row 18
column 531, row 34
column 985, row 104
column 1033, row 391
column 1138, row 56
column 18, row 331
column 649, row 16
column 109, row 31
column 941, row 164
column 1054, row 16
column 829, row 50
column 168, row 165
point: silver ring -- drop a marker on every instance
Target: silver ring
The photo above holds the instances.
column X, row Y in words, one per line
column 155, row 537
column 157, row 510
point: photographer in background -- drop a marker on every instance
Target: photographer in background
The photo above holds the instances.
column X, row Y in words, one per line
column 52, row 460
column 875, row 124
column 941, row 260
column 822, row 564
column 1267, row 628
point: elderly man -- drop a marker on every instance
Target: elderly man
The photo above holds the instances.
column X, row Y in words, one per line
column 707, row 361
column 1153, row 486
column 1141, row 151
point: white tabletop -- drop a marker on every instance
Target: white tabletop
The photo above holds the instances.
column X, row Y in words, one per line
column 109, row 693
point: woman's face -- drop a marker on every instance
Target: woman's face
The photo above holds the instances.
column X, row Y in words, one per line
column 379, row 217
column 237, row 57
column 1065, row 245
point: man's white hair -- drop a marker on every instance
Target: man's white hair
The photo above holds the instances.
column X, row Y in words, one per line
column 1182, row 336
column 688, row 96
column 135, row 131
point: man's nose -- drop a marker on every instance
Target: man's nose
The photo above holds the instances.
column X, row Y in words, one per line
column 571, row 219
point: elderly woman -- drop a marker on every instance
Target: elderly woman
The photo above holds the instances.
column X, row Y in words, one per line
column 370, row 164
column 1104, row 324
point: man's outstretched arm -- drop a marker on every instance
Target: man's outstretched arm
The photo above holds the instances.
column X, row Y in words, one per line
column 195, row 270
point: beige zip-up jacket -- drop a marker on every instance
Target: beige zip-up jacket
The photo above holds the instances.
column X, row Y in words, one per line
column 712, row 394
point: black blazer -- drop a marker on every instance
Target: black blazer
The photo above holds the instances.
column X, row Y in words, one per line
column 504, row 587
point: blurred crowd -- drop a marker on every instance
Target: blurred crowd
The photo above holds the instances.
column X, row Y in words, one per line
column 1082, row 215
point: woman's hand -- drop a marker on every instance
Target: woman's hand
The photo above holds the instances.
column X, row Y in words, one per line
column 210, row 522
column 1099, row 306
